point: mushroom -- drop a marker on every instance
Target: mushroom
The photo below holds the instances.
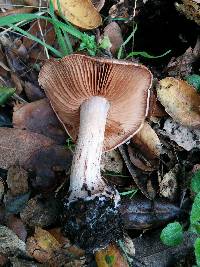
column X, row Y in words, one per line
column 101, row 103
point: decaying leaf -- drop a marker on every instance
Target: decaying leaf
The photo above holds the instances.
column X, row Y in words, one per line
column 98, row 4
column 141, row 213
column 33, row 92
column 112, row 161
column 142, row 180
column 45, row 248
column 18, row 146
column 168, row 184
column 81, row 13
column 17, row 226
column 183, row 136
column 181, row 101
column 39, row 117
column 42, row 245
column 191, row 9
column 145, row 148
column 10, row 243
column 110, row 256
column 17, row 180
column 40, row 212
column 113, row 32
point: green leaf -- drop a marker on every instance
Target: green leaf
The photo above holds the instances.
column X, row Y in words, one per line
column 105, row 43
column 195, row 212
column 5, row 94
column 172, row 234
column 110, row 259
column 197, row 251
column 194, row 80
column 130, row 192
column 195, row 182
column 145, row 54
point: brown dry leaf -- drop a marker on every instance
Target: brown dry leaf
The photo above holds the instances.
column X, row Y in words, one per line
column 18, row 146
column 155, row 108
column 17, row 226
column 142, row 180
column 145, row 150
column 168, row 185
column 41, row 29
column 113, row 31
column 191, row 9
column 98, row 4
column 42, row 245
column 112, row 161
column 181, row 101
column 17, row 180
column 39, row 117
column 45, row 248
column 110, row 256
column 33, row 92
column 81, row 13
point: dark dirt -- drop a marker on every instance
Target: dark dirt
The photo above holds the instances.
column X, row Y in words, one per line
column 92, row 224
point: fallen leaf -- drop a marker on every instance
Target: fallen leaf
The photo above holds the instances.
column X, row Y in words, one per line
column 38, row 117
column 14, row 205
column 18, row 146
column 112, row 161
column 17, row 226
column 81, row 13
column 168, row 184
column 182, row 136
column 98, row 4
column 142, row 180
column 42, row 245
column 110, row 256
column 141, row 213
column 45, row 248
column 190, row 9
column 181, row 101
column 40, row 212
column 10, row 243
column 113, row 32
column 33, row 92
column 17, row 180
column 145, row 149
column 49, row 164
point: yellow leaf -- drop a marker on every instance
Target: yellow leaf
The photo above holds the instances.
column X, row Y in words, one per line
column 81, row 13
column 181, row 101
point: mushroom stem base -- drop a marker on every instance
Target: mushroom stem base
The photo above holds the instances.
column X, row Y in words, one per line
column 92, row 224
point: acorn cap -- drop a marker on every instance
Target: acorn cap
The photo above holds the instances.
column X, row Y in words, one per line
column 73, row 79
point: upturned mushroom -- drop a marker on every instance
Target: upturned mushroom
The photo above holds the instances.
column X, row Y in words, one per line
column 101, row 104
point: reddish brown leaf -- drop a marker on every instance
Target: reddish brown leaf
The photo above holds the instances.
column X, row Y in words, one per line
column 39, row 117
column 19, row 145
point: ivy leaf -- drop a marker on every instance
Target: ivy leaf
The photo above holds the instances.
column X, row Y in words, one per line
column 195, row 212
column 5, row 94
column 195, row 182
column 197, row 251
column 172, row 234
column 194, row 80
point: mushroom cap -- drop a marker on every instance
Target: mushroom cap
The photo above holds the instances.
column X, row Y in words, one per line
column 73, row 79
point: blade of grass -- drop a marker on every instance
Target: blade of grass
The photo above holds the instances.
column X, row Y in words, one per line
column 126, row 41
column 32, row 37
column 60, row 39
column 5, row 21
column 146, row 55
